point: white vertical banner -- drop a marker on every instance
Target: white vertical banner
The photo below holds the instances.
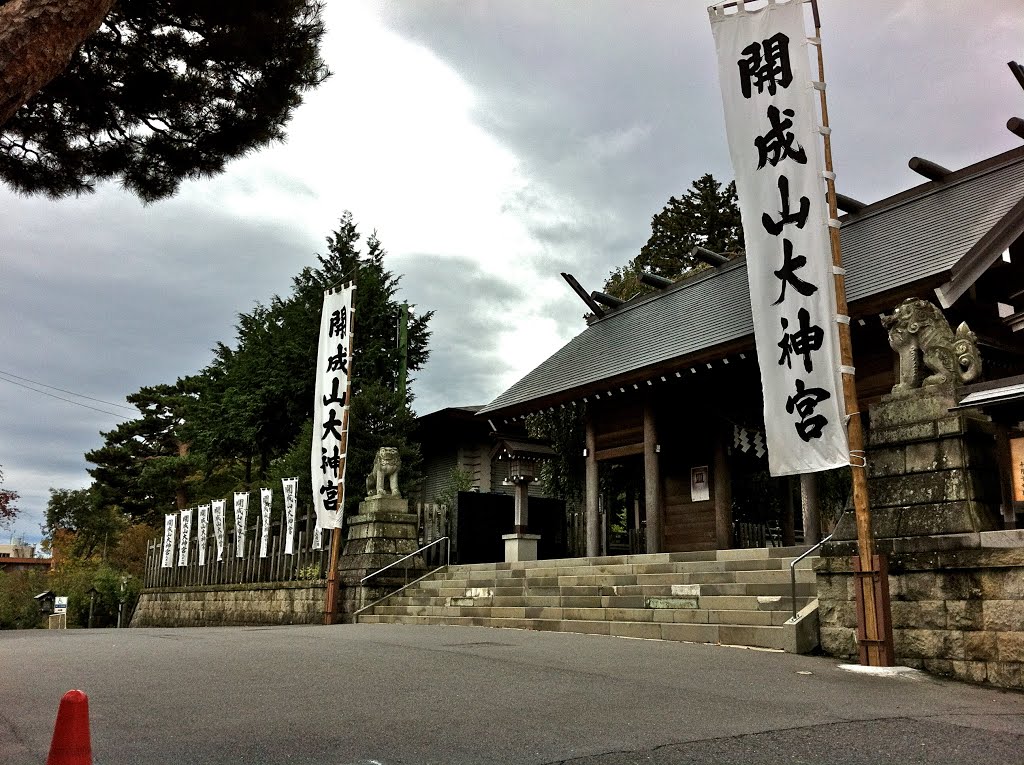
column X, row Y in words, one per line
column 318, row 537
column 217, row 506
column 266, row 502
column 183, row 537
column 169, row 523
column 202, row 531
column 772, row 127
column 290, row 486
column 241, row 514
column 330, row 438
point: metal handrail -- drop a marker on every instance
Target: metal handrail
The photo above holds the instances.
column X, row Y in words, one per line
column 804, row 554
column 365, row 579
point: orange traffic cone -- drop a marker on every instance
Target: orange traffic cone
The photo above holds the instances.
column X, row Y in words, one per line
column 70, row 744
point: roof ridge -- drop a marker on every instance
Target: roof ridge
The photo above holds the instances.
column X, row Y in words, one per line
column 970, row 172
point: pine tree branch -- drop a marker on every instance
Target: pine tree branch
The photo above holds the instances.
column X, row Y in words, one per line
column 37, row 40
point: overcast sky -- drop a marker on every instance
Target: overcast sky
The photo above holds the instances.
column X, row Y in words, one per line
column 491, row 145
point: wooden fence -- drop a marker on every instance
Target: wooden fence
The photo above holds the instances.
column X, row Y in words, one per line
column 303, row 564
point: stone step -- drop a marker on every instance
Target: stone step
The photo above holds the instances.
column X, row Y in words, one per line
column 749, row 554
column 715, row 602
column 675, row 616
column 730, row 634
column 488, row 572
column 778, row 576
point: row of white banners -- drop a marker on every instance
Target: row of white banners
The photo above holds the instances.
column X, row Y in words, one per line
column 183, row 533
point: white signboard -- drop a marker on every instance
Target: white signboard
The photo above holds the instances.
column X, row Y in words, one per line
column 183, row 537
column 170, row 520
column 202, row 532
column 290, row 487
column 318, row 537
column 217, row 506
column 700, row 490
column 330, row 423
column 771, row 122
column 266, row 502
column 60, row 604
column 241, row 514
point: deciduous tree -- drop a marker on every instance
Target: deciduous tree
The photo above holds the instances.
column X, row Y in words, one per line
column 8, row 504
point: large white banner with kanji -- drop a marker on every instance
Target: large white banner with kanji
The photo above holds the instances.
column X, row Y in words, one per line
column 772, row 128
column 330, row 423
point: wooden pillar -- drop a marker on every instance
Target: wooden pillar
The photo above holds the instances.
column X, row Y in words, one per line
column 652, row 481
column 788, row 520
column 592, row 489
column 723, row 492
column 809, row 506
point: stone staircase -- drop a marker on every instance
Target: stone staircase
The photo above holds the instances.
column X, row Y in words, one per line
column 737, row 597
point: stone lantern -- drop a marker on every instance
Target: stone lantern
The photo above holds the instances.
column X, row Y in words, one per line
column 524, row 458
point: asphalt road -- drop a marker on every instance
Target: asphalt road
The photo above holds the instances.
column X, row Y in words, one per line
column 392, row 694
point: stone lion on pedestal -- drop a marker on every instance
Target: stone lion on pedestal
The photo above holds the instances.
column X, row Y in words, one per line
column 919, row 332
column 383, row 479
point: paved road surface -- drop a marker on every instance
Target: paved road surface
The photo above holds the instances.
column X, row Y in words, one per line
column 393, row 694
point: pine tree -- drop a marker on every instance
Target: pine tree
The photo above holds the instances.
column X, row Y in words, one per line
column 161, row 91
column 707, row 216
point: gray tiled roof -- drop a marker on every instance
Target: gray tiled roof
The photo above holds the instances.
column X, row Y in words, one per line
column 912, row 236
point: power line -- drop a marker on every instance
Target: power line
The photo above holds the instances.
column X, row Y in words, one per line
column 61, row 398
column 69, row 392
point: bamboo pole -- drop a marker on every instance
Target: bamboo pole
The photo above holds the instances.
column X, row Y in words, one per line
column 873, row 626
column 331, row 595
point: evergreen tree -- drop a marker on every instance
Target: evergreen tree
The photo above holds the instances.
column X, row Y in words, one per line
column 707, row 215
column 143, row 465
column 8, row 504
column 149, row 92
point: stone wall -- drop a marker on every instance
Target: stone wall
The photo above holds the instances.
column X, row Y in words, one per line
column 957, row 604
column 231, row 605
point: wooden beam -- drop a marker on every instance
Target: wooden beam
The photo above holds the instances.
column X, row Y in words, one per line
column 578, row 289
column 928, row 169
column 617, row 452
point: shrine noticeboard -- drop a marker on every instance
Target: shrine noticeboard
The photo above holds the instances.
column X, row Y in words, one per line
column 1017, row 468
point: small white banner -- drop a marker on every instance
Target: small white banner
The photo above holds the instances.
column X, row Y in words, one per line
column 241, row 514
column 202, row 532
column 318, row 537
column 290, row 487
column 771, row 123
column 266, row 502
column 169, row 524
column 330, row 407
column 183, row 537
column 217, row 506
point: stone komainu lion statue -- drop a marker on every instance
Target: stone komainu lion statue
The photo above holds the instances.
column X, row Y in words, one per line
column 919, row 332
column 383, row 479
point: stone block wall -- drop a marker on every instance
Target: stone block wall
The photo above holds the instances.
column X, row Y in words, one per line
column 957, row 604
column 232, row 605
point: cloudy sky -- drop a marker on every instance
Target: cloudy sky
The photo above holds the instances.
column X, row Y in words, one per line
column 491, row 145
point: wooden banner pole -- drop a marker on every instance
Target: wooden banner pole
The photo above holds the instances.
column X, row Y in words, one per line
column 331, row 596
column 875, row 615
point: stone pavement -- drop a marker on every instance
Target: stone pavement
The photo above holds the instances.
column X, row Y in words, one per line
column 441, row 694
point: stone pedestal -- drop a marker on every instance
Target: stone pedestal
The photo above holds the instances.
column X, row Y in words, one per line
column 930, row 471
column 520, row 546
column 383, row 532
